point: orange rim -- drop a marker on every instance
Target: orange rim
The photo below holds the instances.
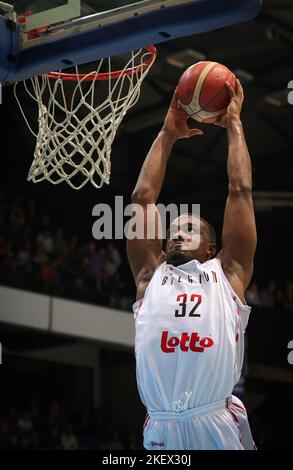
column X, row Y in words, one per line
column 105, row 76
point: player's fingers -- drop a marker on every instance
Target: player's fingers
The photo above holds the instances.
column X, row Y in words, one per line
column 239, row 91
column 230, row 89
column 174, row 101
column 183, row 113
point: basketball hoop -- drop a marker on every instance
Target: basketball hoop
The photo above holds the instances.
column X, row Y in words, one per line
column 77, row 127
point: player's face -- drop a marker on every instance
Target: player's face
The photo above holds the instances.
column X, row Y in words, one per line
column 186, row 241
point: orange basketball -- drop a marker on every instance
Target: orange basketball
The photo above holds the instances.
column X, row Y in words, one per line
column 202, row 92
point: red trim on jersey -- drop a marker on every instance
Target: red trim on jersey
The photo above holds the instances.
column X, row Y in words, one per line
column 234, row 415
column 236, row 421
column 238, row 319
column 136, row 314
column 238, row 406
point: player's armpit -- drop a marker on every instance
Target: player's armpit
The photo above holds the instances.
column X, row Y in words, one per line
column 143, row 279
column 234, row 274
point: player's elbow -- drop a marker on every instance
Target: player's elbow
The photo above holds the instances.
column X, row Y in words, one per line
column 241, row 189
column 142, row 196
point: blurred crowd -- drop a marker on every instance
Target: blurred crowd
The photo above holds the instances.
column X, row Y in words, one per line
column 56, row 426
column 35, row 254
column 271, row 295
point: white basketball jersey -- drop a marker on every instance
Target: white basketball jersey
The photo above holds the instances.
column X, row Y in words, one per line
column 189, row 342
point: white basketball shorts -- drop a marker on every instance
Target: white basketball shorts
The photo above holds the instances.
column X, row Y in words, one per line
column 221, row 425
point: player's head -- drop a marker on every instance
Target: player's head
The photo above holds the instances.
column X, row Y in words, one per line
column 190, row 237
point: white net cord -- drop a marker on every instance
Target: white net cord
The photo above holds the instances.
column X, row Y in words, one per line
column 77, row 127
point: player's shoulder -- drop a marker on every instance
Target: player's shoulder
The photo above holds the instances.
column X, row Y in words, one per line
column 230, row 275
column 214, row 263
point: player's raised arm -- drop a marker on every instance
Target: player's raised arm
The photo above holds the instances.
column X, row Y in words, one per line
column 239, row 231
column 146, row 254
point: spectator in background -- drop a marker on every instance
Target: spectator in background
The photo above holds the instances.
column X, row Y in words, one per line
column 80, row 290
column 5, row 246
column 74, row 251
column 268, row 295
column 29, row 276
column 46, row 239
column 68, row 439
column 31, row 258
column 25, row 423
column 288, row 296
column 96, row 263
column 119, row 296
column 252, row 295
column 112, row 261
column 24, row 255
column 60, row 246
column 40, row 257
column 114, row 295
column 82, row 271
column 280, row 299
column 17, row 215
column 49, row 276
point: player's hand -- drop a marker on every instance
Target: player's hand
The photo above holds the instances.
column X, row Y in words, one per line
column 175, row 123
column 234, row 107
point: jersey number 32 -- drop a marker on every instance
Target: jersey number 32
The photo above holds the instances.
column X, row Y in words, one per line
column 184, row 303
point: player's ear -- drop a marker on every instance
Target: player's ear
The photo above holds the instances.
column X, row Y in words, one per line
column 211, row 251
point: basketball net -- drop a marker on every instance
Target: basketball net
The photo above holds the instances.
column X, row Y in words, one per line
column 77, row 127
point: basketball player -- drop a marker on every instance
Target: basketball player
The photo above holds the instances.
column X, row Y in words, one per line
column 191, row 313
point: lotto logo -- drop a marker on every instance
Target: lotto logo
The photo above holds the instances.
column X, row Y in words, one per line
column 187, row 342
